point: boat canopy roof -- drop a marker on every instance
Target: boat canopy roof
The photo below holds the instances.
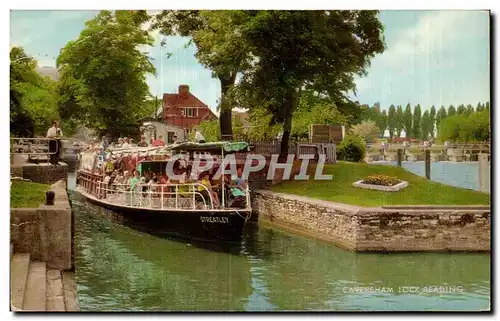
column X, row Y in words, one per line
column 214, row 147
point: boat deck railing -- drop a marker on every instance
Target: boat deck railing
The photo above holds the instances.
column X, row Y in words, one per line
column 186, row 196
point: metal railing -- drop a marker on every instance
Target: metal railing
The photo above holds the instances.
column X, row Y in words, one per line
column 155, row 196
column 32, row 146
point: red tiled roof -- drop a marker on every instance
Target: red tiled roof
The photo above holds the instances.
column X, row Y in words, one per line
column 176, row 100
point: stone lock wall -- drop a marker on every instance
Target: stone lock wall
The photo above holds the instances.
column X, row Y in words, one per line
column 362, row 229
column 453, row 229
column 45, row 173
column 46, row 232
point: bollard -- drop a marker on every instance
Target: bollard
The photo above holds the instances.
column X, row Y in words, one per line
column 428, row 164
column 49, row 197
column 484, row 173
column 400, row 156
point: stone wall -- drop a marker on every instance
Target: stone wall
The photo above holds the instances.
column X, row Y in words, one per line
column 458, row 228
column 46, row 232
column 45, row 173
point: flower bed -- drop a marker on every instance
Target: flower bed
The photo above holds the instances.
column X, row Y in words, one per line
column 381, row 183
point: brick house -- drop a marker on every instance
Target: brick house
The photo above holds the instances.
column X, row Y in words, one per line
column 185, row 110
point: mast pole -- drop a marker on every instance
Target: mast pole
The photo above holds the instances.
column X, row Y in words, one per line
column 223, row 179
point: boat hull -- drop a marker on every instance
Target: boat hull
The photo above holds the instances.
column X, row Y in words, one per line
column 209, row 225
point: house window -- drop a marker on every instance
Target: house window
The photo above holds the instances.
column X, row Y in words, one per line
column 190, row 112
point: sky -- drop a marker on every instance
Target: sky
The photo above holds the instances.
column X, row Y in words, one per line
column 432, row 57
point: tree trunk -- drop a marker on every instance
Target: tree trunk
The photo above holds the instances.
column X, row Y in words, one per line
column 289, row 106
column 225, row 118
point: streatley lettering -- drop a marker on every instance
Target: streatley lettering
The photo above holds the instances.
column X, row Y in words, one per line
column 214, row 219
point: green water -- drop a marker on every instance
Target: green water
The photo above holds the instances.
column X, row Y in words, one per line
column 120, row 269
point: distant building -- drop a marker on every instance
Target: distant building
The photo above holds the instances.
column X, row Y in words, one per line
column 178, row 115
column 185, row 110
column 48, row 71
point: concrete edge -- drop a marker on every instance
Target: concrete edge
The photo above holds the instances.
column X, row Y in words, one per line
column 356, row 209
column 338, row 206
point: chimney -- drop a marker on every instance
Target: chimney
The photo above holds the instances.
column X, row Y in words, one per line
column 183, row 90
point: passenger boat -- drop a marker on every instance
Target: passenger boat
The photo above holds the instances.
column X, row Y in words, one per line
column 174, row 209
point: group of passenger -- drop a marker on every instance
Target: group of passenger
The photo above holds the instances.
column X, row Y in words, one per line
column 155, row 184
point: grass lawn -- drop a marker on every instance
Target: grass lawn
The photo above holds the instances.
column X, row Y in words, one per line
column 27, row 194
column 419, row 192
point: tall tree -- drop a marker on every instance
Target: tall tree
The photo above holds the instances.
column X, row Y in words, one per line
column 408, row 121
column 460, row 109
column 32, row 97
column 104, row 73
column 487, row 106
column 479, row 107
column 469, row 109
column 426, row 125
column 466, row 128
column 417, row 118
column 392, row 121
column 451, row 111
column 305, row 50
column 220, row 47
column 381, row 121
column 432, row 120
column 441, row 114
column 400, row 120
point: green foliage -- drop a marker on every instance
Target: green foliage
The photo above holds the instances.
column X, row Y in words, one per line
column 305, row 50
column 466, row 128
column 426, row 125
column 461, row 109
column 469, row 109
column 315, row 110
column 211, row 130
column 381, row 122
column 451, row 111
column 261, row 126
column 382, row 180
column 432, row 120
column 399, row 120
column 32, row 97
column 407, row 121
column 392, row 121
column 441, row 114
column 103, row 74
column 479, row 107
column 417, row 119
column 352, row 149
column 367, row 130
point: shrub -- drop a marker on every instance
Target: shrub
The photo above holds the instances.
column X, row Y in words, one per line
column 368, row 130
column 381, row 180
column 352, row 149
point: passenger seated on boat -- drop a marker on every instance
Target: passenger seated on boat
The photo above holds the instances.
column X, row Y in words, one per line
column 207, row 189
column 119, row 177
column 109, row 166
column 164, row 179
column 238, row 187
column 134, row 180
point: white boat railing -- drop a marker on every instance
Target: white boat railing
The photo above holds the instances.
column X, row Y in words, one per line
column 186, row 196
